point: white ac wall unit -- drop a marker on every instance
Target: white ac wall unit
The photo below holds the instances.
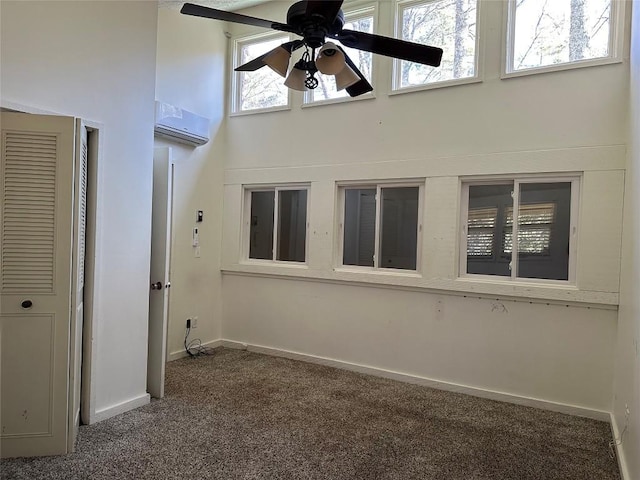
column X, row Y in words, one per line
column 179, row 125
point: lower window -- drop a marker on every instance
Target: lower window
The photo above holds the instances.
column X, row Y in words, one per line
column 545, row 227
column 380, row 226
column 277, row 224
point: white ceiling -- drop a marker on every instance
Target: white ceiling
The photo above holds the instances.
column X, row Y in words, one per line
column 219, row 4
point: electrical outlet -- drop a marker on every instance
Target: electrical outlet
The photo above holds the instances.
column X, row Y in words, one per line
column 194, row 322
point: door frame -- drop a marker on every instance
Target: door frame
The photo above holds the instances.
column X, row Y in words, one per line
column 93, row 256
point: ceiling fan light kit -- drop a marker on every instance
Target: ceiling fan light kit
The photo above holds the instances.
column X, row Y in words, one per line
column 315, row 21
column 346, row 78
column 296, row 78
column 278, row 60
column 330, row 60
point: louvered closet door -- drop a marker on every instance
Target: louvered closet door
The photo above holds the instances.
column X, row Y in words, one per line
column 36, row 170
column 77, row 278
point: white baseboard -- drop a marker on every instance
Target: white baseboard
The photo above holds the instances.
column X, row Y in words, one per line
column 622, row 459
column 119, row 408
column 182, row 353
column 440, row 385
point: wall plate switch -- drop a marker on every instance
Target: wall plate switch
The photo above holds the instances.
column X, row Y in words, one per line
column 199, row 216
column 196, row 237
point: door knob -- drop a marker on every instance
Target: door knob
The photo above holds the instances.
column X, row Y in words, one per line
column 156, row 286
column 26, row 304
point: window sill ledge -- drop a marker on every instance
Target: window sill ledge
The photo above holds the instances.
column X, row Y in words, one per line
column 512, row 291
column 560, row 67
column 380, row 272
column 519, row 282
column 256, row 111
column 334, row 101
column 435, row 85
column 271, row 264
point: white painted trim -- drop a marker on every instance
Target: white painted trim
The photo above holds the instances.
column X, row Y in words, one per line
column 93, row 263
column 253, row 111
column 239, row 346
column 473, row 288
column 176, row 355
column 622, row 459
column 558, row 161
column 561, row 67
column 427, row 382
column 434, row 85
column 122, row 407
column 333, row 101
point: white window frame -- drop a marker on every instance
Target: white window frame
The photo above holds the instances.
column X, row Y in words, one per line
column 246, row 223
column 235, row 101
column 616, row 44
column 478, row 76
column 378, row 186
column 574, row 178
column 367, row 10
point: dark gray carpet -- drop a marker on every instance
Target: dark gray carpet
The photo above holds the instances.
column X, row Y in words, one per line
column 241, row 415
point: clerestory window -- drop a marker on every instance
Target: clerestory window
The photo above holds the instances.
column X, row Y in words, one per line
column 448, row 24
column 263, row 89
column 547, row 35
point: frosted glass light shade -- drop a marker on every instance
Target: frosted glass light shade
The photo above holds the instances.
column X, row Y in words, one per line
column 346, row 78
column 296, row 79
column 278, row 60
column 330, row 59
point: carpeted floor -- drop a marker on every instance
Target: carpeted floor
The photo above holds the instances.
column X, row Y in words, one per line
column 241, row 415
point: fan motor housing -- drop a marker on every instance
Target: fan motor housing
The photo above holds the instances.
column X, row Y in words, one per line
column 313, row 28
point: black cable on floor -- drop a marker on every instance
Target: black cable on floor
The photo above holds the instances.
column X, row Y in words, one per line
column 195, row 348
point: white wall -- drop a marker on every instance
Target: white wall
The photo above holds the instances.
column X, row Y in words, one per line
column 546, row 352
column 627, row 369
column 96, row 60
column 191, row 60
column 569, row 121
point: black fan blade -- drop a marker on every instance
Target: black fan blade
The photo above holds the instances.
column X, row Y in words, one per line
column 360, row 87
column 327, row 9
column 254, row 64
column 206, row 12
column 391, row 47
column 258, row 62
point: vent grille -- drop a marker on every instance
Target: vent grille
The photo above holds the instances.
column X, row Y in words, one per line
column 29, row 211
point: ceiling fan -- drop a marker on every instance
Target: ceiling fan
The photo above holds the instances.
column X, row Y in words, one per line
column 317, row 21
